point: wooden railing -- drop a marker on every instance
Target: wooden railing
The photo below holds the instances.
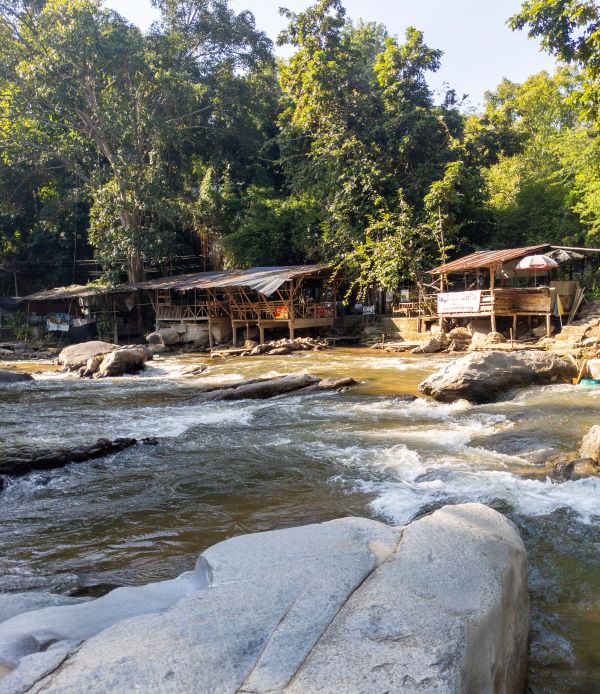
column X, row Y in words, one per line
column 503, row 301
column 277, row 310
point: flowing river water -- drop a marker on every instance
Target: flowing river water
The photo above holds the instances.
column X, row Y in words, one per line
column 222, row 469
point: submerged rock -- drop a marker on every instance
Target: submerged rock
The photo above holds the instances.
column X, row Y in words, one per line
column 482, row 377
column 74, row 357
column 9, row 377
column 570, row 467
column 349, row 606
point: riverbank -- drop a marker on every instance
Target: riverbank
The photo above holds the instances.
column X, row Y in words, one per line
column 229, row 468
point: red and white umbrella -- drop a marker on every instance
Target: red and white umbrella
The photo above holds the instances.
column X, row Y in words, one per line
column 533, row 263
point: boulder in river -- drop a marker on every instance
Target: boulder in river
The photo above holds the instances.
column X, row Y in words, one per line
column 123, row 361
column 164, row 336
column 74, row 357
column 483, row 376
column 436, row 343
column 8, row 377
column 590, row 444
column 351, row 605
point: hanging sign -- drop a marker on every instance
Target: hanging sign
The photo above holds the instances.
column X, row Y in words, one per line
column 459, row 302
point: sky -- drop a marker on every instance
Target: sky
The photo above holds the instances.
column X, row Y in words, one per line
column 479, row 49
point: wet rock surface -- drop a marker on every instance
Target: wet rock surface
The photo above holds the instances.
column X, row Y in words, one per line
column 8, row 377
column 483, row 377
column 262, row 388
column 590, row 445
column 349, row 605
column 20, row 461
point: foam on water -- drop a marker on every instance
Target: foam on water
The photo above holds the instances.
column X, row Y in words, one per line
column 399, row 502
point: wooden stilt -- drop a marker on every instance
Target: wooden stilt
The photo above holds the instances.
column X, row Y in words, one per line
column 210, row 335
column 548, row 324
column 291, row 324
column 493, row 321
column 234, row 334
column 261, row 332
column 515, row 325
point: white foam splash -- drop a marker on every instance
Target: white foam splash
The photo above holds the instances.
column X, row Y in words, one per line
column 400, row 501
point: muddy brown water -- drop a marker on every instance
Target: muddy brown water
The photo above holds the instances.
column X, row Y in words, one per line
column 222, row 469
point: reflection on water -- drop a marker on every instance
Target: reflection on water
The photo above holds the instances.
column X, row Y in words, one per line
column 228, row 468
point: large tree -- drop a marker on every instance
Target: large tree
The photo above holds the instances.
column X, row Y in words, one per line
column 127, row 114
column 365, row 145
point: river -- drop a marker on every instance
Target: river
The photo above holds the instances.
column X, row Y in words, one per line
column 222, row 469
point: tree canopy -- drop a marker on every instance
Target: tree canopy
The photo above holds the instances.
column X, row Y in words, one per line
column 193, row 142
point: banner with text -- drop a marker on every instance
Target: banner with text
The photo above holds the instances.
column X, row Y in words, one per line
column 459, row 302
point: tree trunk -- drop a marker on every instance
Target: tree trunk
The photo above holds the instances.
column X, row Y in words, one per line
column 135, row 269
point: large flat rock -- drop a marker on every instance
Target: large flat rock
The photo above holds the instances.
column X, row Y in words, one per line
column 484, row 376
column 349, row 606
column 74, row 357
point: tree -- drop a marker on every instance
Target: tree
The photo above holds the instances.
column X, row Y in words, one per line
column 362, row 138
column 570, row 30
column 84, row 89
column 539, row 191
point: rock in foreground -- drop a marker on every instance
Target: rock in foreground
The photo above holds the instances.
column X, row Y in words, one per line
column 346, row 606
column 482, row 377
column 8, row 377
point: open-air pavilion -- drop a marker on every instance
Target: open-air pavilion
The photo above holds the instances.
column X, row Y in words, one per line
column 80, row 312
column 202, row 304
column 490, row 284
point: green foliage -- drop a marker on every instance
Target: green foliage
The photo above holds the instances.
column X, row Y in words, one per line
column 192, row 140
column 89, row 92
column 545, row 190
column 570, row 30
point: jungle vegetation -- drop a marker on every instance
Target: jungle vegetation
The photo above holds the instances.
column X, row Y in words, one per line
column 193, row 143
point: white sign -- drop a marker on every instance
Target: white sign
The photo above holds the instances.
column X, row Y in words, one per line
column 459, row 302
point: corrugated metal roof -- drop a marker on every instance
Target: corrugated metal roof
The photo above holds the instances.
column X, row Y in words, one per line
column 75, row 291
column 176, row 281
column 265, row 280
column 485, row 259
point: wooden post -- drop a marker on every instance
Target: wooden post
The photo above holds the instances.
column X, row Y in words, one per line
column 291, row 325
column 548, row 324
column 515, row 325
column 261, row 332
column 492, row 282
column 234, row 333
column 210, row 335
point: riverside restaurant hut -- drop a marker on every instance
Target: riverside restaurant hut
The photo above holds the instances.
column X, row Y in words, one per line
column 82, row 312
column 216, row 305
column 489, row 284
